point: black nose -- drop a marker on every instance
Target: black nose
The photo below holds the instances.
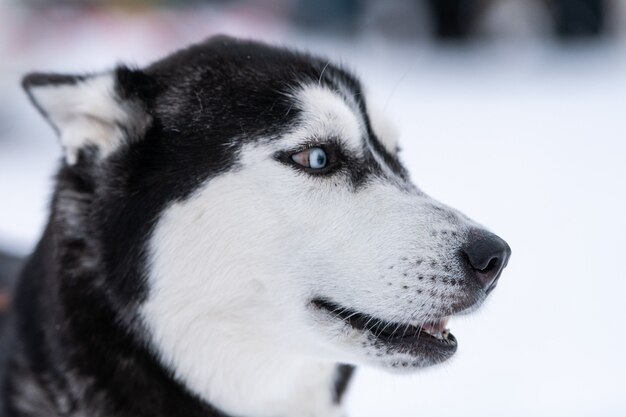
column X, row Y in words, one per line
column 487, row 255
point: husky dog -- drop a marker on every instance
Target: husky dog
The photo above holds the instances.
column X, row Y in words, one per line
column 231, row 232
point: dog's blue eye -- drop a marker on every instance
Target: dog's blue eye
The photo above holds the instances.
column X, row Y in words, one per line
column 317, row 158
column 312, row 158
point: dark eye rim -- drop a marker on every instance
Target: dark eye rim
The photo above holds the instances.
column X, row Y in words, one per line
column 334, row 158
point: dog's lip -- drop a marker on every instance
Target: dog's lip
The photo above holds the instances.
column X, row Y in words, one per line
column 432, row 334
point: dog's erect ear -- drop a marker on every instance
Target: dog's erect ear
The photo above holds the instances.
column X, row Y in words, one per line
column 101, row 111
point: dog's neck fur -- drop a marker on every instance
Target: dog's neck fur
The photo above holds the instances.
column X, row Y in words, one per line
column 267, row 384
column 112, row 370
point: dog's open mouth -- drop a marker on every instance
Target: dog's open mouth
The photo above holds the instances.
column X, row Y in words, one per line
column 431, row 337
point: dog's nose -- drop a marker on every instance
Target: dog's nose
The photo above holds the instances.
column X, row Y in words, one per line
column 487, row 255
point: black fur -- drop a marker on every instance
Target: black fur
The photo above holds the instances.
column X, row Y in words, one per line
column 344, row 374
column 10, row 265
column 80, row 349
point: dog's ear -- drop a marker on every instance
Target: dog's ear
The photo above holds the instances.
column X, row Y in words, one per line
column 100, row 111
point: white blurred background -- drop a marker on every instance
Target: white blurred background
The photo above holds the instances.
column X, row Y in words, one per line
column 513, row 111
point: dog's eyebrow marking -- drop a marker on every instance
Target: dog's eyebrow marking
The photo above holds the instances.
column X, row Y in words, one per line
column 327, row 114
column 349, row 89
column 333, row 105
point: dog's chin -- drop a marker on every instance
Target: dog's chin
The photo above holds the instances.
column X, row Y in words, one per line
column 400, row 347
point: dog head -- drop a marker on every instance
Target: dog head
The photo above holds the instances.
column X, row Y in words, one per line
column 246, row 195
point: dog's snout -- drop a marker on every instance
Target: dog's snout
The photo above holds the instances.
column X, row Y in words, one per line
column 486, row 255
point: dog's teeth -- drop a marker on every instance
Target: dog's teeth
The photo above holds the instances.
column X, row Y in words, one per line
column 443, row 323
column 437, row 328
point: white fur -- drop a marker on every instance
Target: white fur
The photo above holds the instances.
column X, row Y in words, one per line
column 214, row 313
column 234, row 267
column 383, row 127
column 325, row 114
column 88, row 112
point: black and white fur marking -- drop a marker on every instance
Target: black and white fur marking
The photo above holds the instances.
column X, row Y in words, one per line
column 189, row 268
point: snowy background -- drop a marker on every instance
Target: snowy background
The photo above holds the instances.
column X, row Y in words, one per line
column 524, row 134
